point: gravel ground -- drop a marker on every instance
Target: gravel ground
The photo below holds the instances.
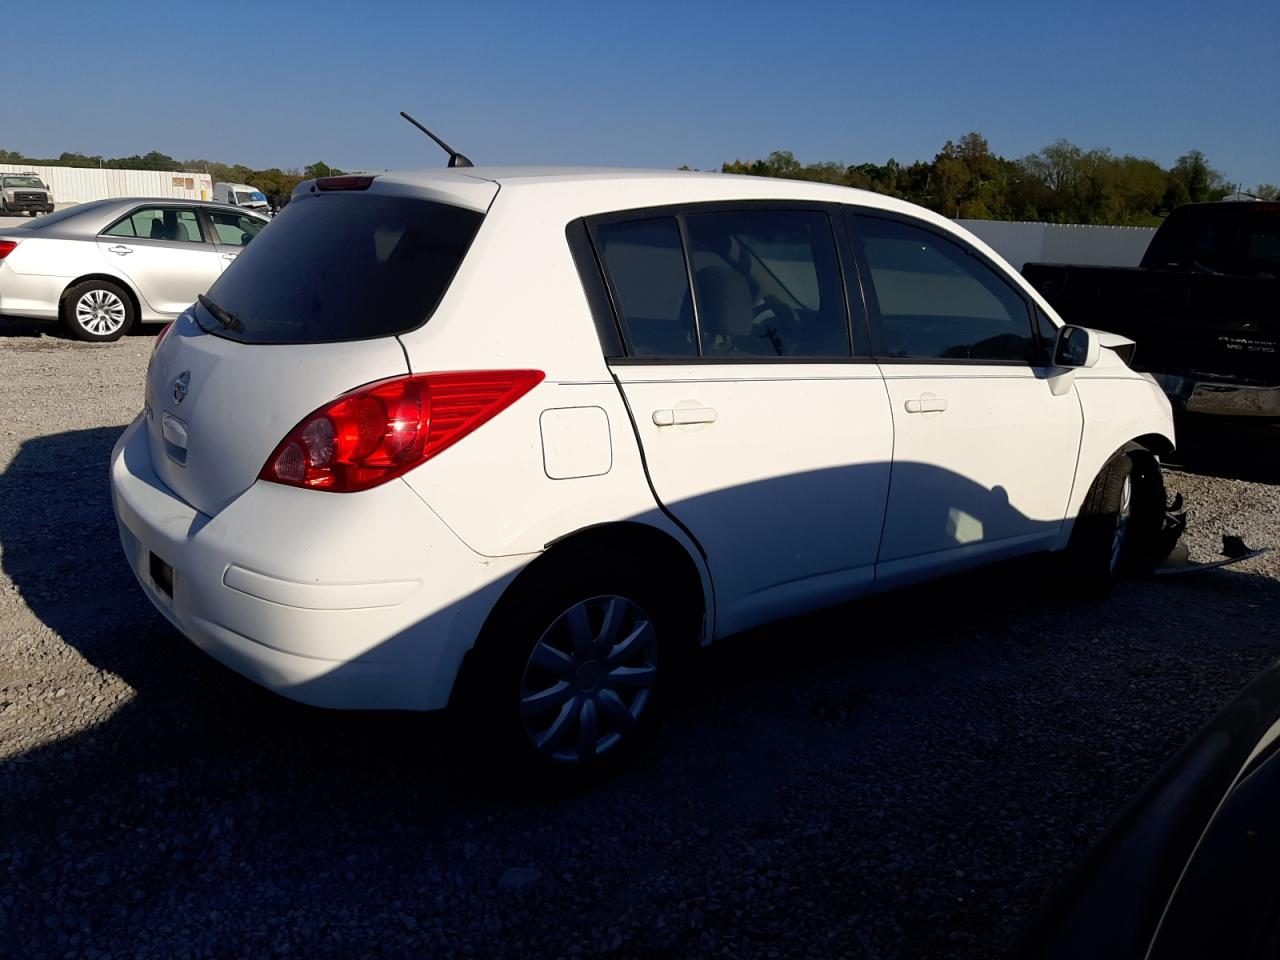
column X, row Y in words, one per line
column 910, row 781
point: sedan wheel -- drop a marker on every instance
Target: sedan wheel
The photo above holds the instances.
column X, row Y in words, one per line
column 589, row 679
column 97, row 310
column 100, row 312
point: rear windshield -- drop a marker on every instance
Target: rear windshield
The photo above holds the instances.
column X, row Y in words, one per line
column 348, row 266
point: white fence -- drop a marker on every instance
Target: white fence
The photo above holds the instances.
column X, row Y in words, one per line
column 1021, row 243
column 80, row 184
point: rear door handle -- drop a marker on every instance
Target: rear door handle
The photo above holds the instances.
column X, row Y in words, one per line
column 230, row 256
column 121, row 250
column 682, row 415
column 926, row 405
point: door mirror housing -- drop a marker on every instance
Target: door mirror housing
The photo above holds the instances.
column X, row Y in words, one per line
column 1076, row 347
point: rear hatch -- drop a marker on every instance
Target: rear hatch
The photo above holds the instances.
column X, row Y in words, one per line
column 315, row 306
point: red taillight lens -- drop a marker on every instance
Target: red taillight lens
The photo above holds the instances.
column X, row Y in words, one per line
column 164, row 332
column 6, row 247
column 377, row 432
column 344, row 183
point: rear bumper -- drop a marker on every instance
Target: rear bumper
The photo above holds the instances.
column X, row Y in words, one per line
column 1194, row 394
column 361, row 601
column 29, row 295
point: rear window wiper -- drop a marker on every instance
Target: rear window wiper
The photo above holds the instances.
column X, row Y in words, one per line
column 228, row 320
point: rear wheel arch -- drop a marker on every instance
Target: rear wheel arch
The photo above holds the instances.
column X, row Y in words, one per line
column 120, row 282
column 657, row 549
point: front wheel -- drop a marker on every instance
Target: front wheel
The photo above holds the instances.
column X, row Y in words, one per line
column 1102, row 541
column 569, row 672
column 98, row 311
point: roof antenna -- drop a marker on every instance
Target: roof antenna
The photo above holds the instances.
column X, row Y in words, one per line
column 455, row 158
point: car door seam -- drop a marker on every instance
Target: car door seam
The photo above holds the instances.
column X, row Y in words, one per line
column 644, row 465
column 888, row 489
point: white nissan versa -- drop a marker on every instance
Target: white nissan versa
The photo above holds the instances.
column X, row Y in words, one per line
column 509, row 439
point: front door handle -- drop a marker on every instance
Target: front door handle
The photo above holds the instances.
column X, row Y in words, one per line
column 926, row 404
column 683, row 415
column 230, row 256
column 121, row 251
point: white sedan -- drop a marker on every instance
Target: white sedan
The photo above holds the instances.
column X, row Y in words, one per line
column 100, row 267
column 510, row 440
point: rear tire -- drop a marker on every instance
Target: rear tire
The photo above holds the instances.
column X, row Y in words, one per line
column 566, row 681
column 1100, row 545
column 98, row 311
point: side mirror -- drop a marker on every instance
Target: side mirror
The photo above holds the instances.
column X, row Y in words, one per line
column 1076, row 347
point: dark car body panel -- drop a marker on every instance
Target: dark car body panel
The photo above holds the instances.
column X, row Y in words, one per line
column 1199, row 314
column 1189, row 868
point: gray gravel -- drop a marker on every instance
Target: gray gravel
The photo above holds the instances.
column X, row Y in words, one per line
column 910, row 781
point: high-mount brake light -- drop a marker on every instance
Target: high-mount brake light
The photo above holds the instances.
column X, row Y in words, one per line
column 344, row 183
column 7, row 247
column 379, row 431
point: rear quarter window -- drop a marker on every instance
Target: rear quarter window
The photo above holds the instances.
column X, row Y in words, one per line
column 344, row 267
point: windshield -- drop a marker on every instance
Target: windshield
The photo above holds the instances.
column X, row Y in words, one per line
column 23, row 182
column 344, row 267
column 250, row 196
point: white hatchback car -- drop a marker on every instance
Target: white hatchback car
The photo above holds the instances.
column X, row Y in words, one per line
column 511, row 439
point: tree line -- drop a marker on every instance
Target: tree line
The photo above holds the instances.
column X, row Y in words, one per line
column 271, row 181
column 1062, row 183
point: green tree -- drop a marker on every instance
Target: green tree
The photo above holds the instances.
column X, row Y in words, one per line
column 1201, row 181
column 320, row 169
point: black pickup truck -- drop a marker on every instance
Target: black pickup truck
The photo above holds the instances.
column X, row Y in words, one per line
column 1203, row 307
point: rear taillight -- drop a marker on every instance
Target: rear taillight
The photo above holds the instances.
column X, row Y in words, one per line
column 6, row 247
column 164, row 332
column 377, row 432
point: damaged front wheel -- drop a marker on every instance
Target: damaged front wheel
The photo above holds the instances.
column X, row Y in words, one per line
column 1118, row 522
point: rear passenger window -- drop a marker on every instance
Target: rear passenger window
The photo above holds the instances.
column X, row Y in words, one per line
column 645, row 260
column 934, row 301
column 159, row 223
column 767, row 284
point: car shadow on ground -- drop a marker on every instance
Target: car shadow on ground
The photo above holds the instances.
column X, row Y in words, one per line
column 21, row 327
column 202, row 796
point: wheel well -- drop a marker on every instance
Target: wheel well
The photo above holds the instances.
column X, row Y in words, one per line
column 106, row 278
column 1152, row 443
column 658, row 548
column 680, row 576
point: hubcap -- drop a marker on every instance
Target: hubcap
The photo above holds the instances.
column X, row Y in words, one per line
column 1122, row 523
column 589, row 678
column 100, row 312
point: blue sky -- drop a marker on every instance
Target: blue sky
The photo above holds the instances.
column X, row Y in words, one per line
column 645, row 84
